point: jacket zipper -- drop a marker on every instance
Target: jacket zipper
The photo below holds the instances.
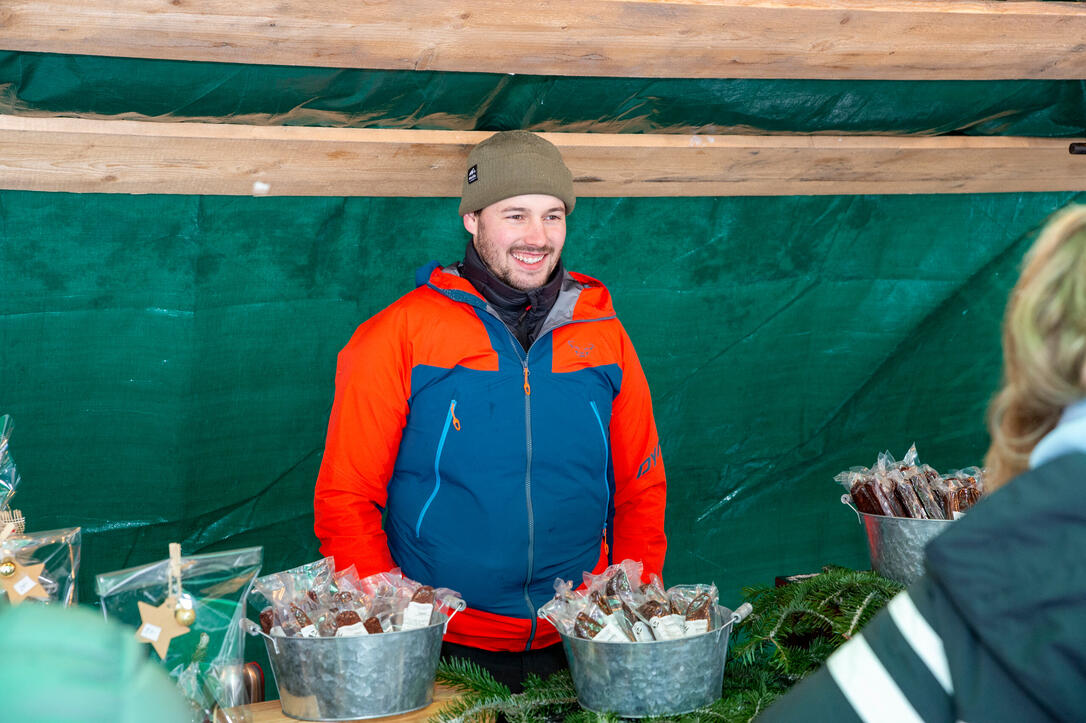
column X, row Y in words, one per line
column 450, row 419
column 528, row 467
column 606, row 458
column 528, row 498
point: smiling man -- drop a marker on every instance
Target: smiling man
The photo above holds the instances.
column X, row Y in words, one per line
column 498, row 418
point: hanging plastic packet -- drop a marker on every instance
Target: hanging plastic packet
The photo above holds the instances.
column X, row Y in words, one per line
column 9, row 475
column 39, row 566
column 963, row 489
column 189, row 609
column 698, row 606
column 923, row 482
column 562, row 609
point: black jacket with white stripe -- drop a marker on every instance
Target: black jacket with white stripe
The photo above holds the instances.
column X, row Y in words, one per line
column 995, row 630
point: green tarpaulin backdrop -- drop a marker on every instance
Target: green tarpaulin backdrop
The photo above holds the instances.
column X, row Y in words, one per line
column 169, row 360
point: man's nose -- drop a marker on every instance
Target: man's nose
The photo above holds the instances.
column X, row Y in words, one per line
column 536, row 233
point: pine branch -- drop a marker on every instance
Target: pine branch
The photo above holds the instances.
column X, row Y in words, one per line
column 791, row 632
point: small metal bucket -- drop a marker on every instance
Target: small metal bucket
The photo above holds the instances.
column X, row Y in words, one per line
column 365, row 676
column 896, row 544
column 662, row 677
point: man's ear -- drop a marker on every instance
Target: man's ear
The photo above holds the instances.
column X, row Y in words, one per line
column 471, row 222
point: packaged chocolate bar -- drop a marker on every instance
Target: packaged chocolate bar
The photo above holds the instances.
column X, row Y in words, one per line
column 313, row 600
column 869, row 494
column 562, row 610
column 615, row 606
column 906, row 495
column 963, row 490
column 698, row 605
column 910, row 489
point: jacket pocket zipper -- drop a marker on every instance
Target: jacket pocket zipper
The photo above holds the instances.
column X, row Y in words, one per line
column 450, row 420
column 606, row 458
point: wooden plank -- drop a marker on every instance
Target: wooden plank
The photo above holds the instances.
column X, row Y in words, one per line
column 862, row 39
column 270, row 711
column 94, row 156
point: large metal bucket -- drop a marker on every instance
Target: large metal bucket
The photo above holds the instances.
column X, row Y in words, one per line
column 663, row 677
column 896, row 544
column 366, row 676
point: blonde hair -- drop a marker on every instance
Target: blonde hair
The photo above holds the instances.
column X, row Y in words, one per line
column 1044, row 346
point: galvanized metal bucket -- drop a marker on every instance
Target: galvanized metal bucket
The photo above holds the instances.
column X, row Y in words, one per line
column 896, row 544
column 663, row 677
column 366, row 676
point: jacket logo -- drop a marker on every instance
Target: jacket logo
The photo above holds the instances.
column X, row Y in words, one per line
column 581, row 351
column 649, row 462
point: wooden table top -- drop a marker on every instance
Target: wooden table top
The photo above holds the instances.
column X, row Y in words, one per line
column 270, row 711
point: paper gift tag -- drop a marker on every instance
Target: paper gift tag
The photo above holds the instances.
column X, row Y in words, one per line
column 158, row 625
column 21, row 581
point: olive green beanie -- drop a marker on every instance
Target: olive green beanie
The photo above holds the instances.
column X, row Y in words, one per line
column 513, row 163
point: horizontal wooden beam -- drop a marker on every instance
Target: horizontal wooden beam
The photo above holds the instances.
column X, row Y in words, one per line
column 95, row 156
column 861, row 39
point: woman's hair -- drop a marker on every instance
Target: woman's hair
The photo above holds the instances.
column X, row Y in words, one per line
column 1044, row 346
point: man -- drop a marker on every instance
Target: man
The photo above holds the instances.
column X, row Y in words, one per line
column 499, row 417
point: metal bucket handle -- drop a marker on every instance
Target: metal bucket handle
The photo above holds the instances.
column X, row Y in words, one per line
column 253, row 629
column 741, row 613
column 457, row 607
column 846, row 499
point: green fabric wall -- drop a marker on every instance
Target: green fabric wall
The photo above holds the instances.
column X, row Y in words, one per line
column 169, row 360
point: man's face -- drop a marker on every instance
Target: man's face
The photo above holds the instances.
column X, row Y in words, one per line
column 520, row 239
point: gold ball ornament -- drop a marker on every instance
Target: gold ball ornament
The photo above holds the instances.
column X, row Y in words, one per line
column 7, row 568
column 185, row 616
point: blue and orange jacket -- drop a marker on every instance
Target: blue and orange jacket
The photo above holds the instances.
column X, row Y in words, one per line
column 497, row 470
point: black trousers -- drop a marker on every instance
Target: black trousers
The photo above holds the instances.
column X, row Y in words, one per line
column 511, row 668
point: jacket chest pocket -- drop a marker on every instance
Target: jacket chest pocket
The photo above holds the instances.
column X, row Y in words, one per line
column 451, row 423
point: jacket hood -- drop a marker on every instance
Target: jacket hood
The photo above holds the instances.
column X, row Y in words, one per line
column 1015, row 570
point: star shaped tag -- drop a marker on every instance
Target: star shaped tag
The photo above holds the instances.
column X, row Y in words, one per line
column 158, row 625
column 21, row 581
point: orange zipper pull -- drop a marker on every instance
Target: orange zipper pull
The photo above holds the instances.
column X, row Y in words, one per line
column 527, row 387
column 456, row 422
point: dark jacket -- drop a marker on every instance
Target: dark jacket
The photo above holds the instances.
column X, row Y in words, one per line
column 995, row 630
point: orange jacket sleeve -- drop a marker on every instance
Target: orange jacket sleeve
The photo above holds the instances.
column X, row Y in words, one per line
column 364, row 431
column 640, row 484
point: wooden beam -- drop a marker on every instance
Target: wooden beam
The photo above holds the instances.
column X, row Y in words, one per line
column 95, row 156
column 861, row 39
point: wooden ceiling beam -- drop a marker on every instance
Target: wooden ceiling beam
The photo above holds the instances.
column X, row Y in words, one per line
column 96, row 156
column 828, row 39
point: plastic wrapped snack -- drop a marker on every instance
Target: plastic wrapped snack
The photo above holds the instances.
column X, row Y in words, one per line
column 615, row 606
column 963, row 489
column 9, row 475
column 867, row 492
column 189, row 608
column 313, row 600
column 40, row 566
column 697, row 605
column 910, row 489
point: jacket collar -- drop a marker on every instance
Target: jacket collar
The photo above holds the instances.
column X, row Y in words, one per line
column 1068, row 436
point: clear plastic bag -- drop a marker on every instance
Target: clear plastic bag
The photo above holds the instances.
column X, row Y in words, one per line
column 615, row 607
column 9, row 475
column 313, row 600
column 57, row 551
column 910, row 489
column 206, row 662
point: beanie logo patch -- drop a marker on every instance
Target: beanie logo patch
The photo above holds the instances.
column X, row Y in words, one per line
column 473, row 174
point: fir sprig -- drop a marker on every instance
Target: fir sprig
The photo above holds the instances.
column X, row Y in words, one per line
column 792, row 630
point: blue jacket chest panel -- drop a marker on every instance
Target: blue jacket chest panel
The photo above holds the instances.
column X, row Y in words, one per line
column 494, row 490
